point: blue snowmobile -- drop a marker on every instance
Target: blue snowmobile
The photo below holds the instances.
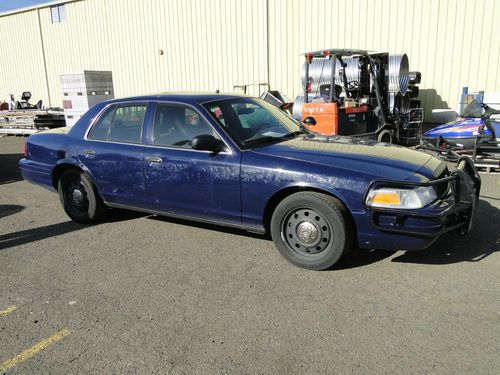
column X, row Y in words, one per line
column 474, row 133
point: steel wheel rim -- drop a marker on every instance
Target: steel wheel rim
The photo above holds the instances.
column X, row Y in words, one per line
column 76, row 196
column 306, row 231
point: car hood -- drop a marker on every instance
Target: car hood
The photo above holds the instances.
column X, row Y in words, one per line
column 378, row 159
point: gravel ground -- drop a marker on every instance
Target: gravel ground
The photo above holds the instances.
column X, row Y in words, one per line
column 143, row 294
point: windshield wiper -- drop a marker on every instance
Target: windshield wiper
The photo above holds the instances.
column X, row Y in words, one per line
column 268, row 139
column 261, row 140
column 294, row 134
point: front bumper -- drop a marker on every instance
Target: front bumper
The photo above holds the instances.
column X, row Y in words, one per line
column 454, row 210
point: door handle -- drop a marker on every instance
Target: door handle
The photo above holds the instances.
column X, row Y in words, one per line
column 153, row 160
column 88, row 152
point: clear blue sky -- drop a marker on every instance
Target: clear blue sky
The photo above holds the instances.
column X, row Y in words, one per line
column 6, row 5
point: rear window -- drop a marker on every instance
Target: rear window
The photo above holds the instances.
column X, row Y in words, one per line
column 120, row 124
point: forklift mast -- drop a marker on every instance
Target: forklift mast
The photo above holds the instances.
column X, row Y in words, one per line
column 371, row 92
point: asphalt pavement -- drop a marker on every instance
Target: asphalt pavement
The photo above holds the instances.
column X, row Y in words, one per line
column 143, row 294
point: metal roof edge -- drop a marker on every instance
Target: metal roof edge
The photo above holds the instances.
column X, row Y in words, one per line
column 35, row 7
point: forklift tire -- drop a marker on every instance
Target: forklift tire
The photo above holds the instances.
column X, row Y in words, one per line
column 385, row 136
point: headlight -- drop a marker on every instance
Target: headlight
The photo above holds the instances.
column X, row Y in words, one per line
column 403, row 198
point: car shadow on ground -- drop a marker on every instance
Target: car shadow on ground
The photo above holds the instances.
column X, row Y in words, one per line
column 482, row 241
column 26, row 236
column 361, row 258
column 9, row 209
column 356, row 258
column 213, row 227
column 9, row 168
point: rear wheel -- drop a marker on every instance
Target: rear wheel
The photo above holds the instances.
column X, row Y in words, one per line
column 79, row 197
column 311, row 230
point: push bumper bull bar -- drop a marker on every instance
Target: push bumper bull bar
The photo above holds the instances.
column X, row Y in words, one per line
column 454, row 210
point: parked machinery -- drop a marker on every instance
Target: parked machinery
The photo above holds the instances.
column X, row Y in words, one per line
column 476, row 134
column 361, row 94
column 24, row 118
column 24, row 103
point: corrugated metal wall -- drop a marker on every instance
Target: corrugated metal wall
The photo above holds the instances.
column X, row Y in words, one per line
column 216, row 44
column 21, row 60
column 207, row 45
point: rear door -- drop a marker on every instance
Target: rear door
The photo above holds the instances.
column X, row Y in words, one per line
column 187, row 182
column 113, row 153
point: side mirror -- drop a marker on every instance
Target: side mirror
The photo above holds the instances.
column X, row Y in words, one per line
column 309, row 121
column 206, row 142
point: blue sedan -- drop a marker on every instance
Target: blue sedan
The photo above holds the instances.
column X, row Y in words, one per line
column 240, row 162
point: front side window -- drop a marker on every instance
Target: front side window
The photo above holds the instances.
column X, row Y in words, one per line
column 120, row 124
column 252, row 122
column 176, row 125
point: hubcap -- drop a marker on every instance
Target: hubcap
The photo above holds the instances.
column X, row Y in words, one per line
column 77, row 196
column 306, row 231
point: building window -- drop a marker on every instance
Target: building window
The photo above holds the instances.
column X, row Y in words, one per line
column 58, row 13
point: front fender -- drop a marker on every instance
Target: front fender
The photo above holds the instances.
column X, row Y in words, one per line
column 261, row 185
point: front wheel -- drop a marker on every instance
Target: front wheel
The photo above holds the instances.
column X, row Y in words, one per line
column 311, row 230
column 79, row 197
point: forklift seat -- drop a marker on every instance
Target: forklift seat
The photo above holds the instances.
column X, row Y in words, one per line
column 324, row 91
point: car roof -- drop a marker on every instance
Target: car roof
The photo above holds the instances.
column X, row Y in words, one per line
column 186, row 97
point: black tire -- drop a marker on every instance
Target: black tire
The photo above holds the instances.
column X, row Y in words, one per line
column 300, row 213
column 79, row 197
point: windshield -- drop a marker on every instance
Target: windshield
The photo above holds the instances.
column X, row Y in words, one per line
column 253, row 122
column 473, row 109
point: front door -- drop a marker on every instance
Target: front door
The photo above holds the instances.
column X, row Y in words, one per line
column 187, row 182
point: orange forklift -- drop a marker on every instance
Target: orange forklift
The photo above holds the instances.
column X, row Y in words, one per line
column 360, row 94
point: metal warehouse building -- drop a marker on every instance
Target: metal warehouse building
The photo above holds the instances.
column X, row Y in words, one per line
column 170, row 45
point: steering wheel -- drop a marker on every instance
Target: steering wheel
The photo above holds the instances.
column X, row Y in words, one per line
column 488, row 111
column 352, row 85
column 352, row 89
column 263, row 126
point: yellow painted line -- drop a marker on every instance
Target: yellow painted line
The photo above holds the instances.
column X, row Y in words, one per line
column 8, row 310
column 30, row 352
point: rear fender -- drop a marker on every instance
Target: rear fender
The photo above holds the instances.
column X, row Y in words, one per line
column 64, row 164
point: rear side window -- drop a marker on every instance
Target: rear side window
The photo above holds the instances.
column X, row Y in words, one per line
column 127, row 124
column 100, row 130
column 120, row 124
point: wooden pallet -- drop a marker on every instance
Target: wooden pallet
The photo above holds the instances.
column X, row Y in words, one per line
column 488, row 165
column 7, row 132
column 17, row 122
